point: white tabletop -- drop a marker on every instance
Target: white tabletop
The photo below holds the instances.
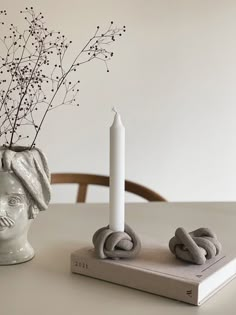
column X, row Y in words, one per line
column 45, row 285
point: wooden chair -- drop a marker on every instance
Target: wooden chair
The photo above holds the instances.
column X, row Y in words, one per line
column 83, row 180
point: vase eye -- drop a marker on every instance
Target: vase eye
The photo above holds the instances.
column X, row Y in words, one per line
column 14, row 201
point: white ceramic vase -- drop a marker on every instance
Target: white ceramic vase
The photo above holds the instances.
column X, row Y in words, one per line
column 24, row 191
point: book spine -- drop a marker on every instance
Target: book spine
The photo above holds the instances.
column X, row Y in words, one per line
column 144, row 280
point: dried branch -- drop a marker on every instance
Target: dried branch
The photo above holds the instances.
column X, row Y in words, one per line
column 34, row 78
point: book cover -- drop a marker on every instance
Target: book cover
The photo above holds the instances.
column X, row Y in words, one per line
column 157, row 271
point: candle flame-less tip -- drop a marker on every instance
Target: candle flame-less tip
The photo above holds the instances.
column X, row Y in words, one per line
column 114, row 109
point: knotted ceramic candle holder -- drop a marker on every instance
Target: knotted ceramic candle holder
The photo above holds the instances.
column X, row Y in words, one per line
column 195, row 247
column 115, row 245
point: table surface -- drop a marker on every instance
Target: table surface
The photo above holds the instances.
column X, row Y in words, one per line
column 45, row 284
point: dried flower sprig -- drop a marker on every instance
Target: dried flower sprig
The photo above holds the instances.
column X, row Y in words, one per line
column 34, row 78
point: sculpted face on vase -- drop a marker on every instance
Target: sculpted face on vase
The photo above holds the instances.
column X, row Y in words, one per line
column 15, row 208
column 24, row 191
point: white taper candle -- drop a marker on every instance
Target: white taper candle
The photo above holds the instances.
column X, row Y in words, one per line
column 117, row 174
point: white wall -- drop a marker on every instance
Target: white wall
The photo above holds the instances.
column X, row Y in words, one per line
column 173, row 79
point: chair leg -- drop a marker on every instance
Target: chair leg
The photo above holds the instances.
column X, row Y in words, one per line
column 82, row 192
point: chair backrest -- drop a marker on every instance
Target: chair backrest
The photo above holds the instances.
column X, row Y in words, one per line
column 83, row 180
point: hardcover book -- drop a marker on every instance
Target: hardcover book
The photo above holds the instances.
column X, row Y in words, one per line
column 157, row 271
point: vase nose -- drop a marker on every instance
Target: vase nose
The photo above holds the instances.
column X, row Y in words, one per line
column 2, row 211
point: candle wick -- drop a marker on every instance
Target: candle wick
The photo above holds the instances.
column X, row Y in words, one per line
column 114, row 110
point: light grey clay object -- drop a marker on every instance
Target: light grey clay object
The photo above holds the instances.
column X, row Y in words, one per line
column 24, row 191
column 195, row 247
column 110, row 244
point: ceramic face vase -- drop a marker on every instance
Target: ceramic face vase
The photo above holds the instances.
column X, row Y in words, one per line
column 24, row 191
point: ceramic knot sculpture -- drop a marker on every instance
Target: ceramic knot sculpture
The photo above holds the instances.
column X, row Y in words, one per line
column 24, row 191
column 195, row 247
column 110, row 244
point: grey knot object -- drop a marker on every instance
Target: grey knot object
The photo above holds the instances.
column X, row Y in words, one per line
column 110, row 244
column 195, row 247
